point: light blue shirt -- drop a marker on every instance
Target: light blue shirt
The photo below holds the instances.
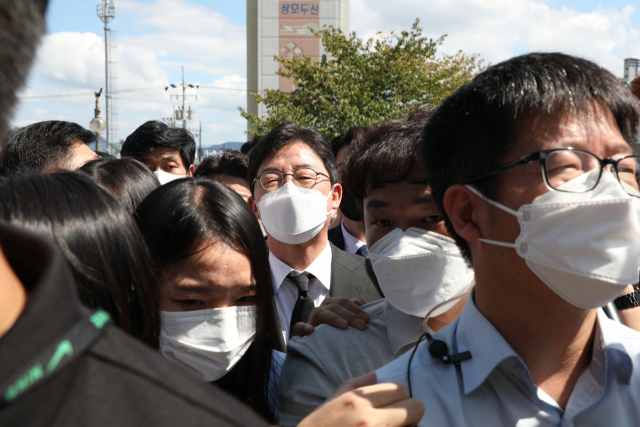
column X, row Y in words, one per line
column 495, row 388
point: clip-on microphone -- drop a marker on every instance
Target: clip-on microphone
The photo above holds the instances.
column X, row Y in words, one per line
column 438, row 349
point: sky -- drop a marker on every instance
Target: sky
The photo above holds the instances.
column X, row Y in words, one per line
column 155, row 38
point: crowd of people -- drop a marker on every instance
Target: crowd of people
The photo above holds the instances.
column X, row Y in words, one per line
column 474, row 263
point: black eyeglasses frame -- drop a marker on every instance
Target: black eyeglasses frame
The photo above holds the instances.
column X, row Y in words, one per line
column 541, row 156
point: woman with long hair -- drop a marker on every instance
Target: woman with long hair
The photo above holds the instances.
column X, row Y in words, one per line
column 216, row 297
column 110, row 262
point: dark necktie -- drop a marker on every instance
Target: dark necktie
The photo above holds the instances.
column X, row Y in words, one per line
column 363, row 251
column 304, row 303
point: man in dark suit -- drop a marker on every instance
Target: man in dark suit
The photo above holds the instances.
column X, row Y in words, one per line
column 294, row 184
column 348, row 234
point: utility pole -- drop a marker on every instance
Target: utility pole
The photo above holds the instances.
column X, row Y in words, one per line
column 183, row 114
column 106, row 13
column 184, row 101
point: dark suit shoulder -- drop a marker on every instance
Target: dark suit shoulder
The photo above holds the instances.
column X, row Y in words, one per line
column 336, row 237
column 352, row 277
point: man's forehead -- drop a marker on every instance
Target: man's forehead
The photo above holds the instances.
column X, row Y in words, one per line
column 293, row 156
column 404, row 192
column 593, row 129
column 159, row 153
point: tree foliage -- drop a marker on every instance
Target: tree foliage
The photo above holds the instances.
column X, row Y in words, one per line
column 359, row 83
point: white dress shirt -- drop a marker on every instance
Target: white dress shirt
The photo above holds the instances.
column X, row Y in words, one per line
column 351, row 243
column 286, row 293
column 495, row 388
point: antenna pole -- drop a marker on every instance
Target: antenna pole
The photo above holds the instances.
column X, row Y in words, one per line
column 184, row 102
column 106, row 13
column 107, row 83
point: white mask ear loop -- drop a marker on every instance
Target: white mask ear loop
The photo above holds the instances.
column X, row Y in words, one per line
column 499, row 206
column 425, row 327
column 494, row 203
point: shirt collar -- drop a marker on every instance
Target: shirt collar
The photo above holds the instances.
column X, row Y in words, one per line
column 617, row 343
column 351, row 243
column 403, row 329
column 489, row 349
column 320, row 268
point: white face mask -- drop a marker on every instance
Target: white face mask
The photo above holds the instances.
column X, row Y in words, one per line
column 418, row 270
column 165, row 177
column 209, row 342
column 584, row 246
column 292, row 214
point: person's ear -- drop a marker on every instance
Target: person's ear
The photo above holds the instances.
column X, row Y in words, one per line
column 464, row 209
column 254, row 207
column 192, row 169
column 336, row 196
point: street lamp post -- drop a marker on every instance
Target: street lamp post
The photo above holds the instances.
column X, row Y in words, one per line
column 98, row 124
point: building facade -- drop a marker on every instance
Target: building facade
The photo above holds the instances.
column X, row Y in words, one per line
column 631, row 69
column 283, row 28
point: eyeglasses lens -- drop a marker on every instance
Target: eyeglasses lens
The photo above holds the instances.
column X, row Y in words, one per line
column 271, row 180
column 305, row 178
column 563, row 166
column 629, row 174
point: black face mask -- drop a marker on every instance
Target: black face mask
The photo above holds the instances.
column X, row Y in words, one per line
column 348, row 206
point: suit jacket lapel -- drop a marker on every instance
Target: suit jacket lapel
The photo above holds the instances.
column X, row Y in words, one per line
column 342, row 269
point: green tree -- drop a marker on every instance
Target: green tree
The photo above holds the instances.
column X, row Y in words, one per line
column 359, row 83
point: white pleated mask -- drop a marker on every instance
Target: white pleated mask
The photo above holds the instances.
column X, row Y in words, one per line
column 166, row 177
column 419, row 270
column 208, row 342
column 584, row 246
column 292, row 214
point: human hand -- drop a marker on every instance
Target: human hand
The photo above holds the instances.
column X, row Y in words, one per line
column 361, row 402
column 337, row 312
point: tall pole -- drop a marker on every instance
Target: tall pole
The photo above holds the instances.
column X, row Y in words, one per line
column 200, row 138
column 184, row 102
column 106, row 12
column 107, row 84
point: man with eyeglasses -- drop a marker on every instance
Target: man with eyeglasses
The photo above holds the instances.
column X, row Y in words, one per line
column 293, row 178
column 532, row 165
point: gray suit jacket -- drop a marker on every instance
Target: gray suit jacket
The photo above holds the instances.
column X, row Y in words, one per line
column 351, row 277
column 316, row 365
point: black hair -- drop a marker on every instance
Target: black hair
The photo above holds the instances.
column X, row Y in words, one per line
column 46, row 146
column 354, row 138
column 285, row 134
column 635, row 87
column 127, row 179
column 475, row 127
column 22, row 24
column 247, row 146
column 154, row 134
column 389, row 154
column 110, row 262
column 229, row 162
column 177, row 219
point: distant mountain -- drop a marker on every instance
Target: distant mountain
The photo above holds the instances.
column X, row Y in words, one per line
column 211, row 148
column 234, row 145
column 206, row 150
